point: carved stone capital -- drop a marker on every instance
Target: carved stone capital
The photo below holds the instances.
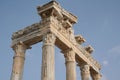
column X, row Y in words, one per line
column 49, row 39
column 20, row 49
column 69, row 55
column 85, row 69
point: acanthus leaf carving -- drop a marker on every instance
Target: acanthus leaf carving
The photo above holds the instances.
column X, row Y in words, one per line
column 85, row 68
column 69, row 55
column 49, row 38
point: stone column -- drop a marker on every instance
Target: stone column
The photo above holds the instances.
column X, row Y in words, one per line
column 18, row 61
column 47, row 70
column 70, row 64
column 96, row 76
column 85, row 72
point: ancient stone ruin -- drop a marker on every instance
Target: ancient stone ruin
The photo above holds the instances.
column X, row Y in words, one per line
column 54, row 29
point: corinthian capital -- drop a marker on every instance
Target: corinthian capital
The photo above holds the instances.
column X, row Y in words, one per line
column 69, row 55
column 19, row 48
column 85, row 69
column 49, row 38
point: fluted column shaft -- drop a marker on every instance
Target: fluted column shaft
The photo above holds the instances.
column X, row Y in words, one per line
column 85, row 72
column 70, row 64
column 48, row 71
column 96, row 76
column 18, row 61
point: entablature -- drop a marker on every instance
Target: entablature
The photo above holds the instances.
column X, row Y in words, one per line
column 31, row 34
column 54, row 9
column 26, row 30
column 80, row 51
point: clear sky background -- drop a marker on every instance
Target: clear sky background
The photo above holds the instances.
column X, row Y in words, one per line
column 98, row 22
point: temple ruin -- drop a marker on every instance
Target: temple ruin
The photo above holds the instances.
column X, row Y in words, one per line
column 54, row 29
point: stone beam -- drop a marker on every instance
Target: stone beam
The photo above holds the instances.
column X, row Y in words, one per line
column 33, row 33
column 80, row 51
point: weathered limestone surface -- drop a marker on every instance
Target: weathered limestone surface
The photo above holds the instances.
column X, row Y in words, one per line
column 70, row 64
column 48, row 57
column 85, row 72
column 96, row 76
column 18, row 61
column 55, row 28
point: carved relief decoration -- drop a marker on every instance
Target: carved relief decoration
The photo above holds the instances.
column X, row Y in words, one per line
column 69, row 55
column 19, row 48
column 26, row 30
column 85, row 69
column 49, row 38
column 62, row 21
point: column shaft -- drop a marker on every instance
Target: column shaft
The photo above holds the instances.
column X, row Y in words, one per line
column 18, row 61
column 85, row 72
column 96, row 76
column 70, row 65
column 48, row 71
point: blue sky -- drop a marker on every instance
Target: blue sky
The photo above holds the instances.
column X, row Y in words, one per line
column 98, row 22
